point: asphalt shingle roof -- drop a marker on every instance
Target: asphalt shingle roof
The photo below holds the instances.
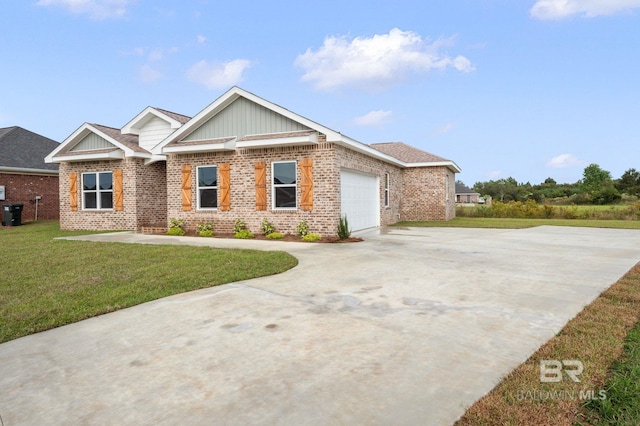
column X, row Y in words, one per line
column 130, row 141
column 182, row 119
column 406, row 153
column 462, row 189
column 24, row 149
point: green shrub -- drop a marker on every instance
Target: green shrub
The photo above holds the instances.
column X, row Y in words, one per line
column 176, row 227
column 239, row 225
column 266, row 227
column 343, row 228
column 275, row 236
column 302, row 229
column 244, row 234
column 206, row 233
column 203, row 227
column 310, row 238
column 176, row 231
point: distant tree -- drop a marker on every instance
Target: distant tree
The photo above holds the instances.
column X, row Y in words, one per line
column 629, row 182
column 598, row 185
column 550, row 182
column 594, row 178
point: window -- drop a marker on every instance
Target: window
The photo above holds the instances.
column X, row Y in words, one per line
column 284, row 185
column 97, row 191
column 208, row 187
column 386, row 189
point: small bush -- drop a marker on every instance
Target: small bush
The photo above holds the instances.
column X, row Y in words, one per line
column 302, row 229
column 311, row 238
column 343, row 228
column 176, row 227
column 266, row 227
column 176, row 231
column 239, row 225
column 206, row 233
column 244, row 234
column 275, row 236
column 202, row 227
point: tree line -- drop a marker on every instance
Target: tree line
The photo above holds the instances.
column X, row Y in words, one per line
column 596, row 187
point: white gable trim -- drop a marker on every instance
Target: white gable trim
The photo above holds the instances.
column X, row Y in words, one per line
column 77, row 136
column 132, row 126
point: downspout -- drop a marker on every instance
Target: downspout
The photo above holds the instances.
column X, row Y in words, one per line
column 38, row 198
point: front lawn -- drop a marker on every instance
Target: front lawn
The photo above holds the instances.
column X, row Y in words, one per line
column 46, row 283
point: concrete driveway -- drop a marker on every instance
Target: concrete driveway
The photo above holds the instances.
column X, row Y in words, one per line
column 408, row 327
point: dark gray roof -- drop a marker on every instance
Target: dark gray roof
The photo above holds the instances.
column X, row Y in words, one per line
column 462, row 189
column 23, row 149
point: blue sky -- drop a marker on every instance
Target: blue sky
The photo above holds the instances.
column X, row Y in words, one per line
column 523, row 88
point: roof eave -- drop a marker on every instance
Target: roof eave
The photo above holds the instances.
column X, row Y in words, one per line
column 27, row 171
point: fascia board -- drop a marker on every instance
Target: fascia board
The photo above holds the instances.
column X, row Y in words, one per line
column 112, row 155
column 28, row 171
column 275, row 142
column 205, row 147
column 449, row 164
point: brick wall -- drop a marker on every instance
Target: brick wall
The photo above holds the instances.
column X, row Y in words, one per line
column 144, row 195
column 326, row 200
column 349, row 159
column 22, row 189
column 425, row 195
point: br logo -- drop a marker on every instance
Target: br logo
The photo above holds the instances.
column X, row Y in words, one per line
column 551, row 370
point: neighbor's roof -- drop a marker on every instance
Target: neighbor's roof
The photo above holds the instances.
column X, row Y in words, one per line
column 462, row 189
column 406, row 153
column 23, row 149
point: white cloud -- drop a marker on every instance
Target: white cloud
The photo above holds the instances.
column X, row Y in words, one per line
column 218, row 75
column 96, row 9
column 563, row 161
column 495, row 174
column 375, row 62
column 374, row 118
column 148, row 74
column 445, row 128
column 559, row 9
column 202, row 39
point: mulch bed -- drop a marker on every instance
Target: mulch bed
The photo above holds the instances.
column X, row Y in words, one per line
column 287, row 237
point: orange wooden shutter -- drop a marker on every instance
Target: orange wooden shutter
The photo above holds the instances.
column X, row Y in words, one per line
column 306, row 184
column 225, row 184
column 261, row 186
column 186, row 187
column 73, row 191
column 117, row 190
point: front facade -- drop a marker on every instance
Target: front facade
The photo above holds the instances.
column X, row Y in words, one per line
column 243, row 157
column 24, row 177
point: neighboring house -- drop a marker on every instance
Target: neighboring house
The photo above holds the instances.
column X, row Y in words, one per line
column 466, row 195
column 243, row 157
column 24, row 176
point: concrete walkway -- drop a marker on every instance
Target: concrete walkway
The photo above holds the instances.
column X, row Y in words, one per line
column 408, row 327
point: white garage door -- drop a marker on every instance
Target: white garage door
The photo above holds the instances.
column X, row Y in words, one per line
column 360, row 199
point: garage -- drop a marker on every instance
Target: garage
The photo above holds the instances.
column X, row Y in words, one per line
column 360, row 199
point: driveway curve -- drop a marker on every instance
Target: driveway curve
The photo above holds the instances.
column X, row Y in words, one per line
column 408, row 327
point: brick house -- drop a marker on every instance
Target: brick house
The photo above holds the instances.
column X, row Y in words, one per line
column 25, row 178
column 243, row 157
column 466, row 195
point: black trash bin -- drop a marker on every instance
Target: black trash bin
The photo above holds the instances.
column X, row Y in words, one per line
column 12, row 214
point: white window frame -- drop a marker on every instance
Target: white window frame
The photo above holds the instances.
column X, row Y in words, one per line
column 288, row 185
column 97, row 191
column 387, row 191
column 198, row 188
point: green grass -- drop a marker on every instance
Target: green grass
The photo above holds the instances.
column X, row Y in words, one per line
column 46, row 283
column 507, row 223
column 622, row 405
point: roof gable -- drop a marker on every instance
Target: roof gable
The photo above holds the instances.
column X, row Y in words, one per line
column 97, row 142
column 174, row 120
column 241, row 118
column 23, row 149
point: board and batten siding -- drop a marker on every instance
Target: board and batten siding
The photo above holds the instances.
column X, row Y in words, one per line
column 241, row 118
column 153, row 132
column 91, row 142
